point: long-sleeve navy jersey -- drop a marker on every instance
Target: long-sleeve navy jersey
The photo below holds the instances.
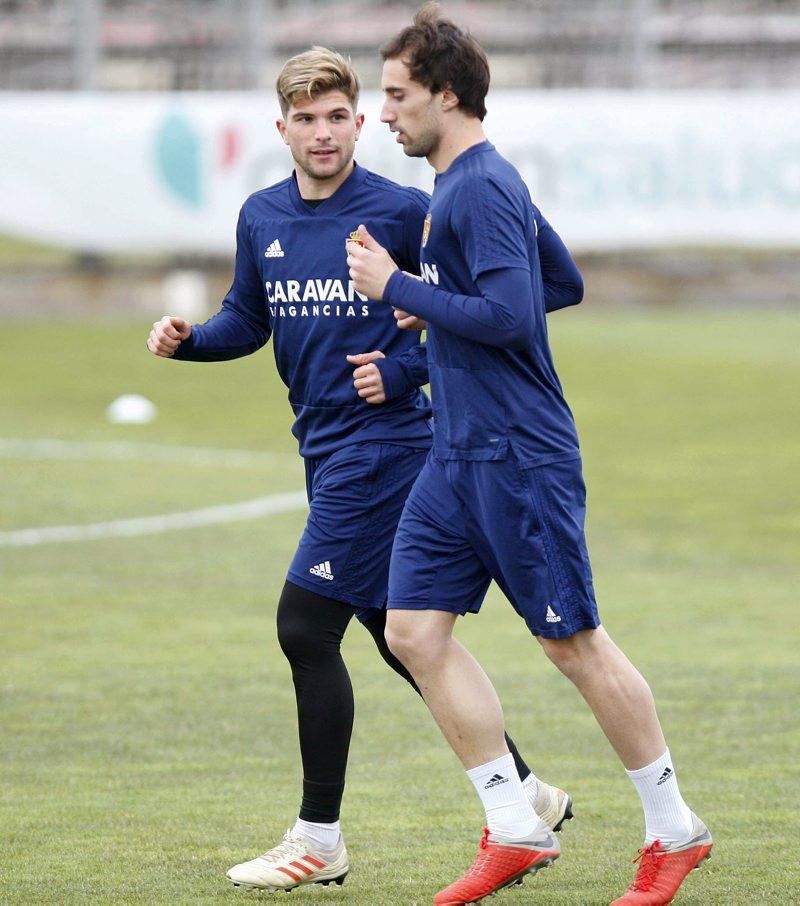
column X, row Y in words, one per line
column 495, row 389
column 291, row 282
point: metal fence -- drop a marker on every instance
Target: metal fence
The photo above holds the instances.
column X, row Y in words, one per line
column 239, row 44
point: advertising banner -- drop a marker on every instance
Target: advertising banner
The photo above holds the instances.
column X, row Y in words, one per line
column 165, row 173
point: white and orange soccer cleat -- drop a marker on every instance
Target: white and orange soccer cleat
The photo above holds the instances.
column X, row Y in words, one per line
column 662, row 869
column 499, row 863
column 292, row 863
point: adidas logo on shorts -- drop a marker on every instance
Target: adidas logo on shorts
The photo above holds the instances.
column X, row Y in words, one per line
column 552, row 616
column 323, row 570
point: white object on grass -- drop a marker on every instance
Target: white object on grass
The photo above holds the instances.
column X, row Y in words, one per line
column 131, row 409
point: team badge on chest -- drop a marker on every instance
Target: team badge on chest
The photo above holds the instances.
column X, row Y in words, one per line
column 426, row 229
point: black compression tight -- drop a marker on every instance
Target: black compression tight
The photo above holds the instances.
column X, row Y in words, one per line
column 310, row 632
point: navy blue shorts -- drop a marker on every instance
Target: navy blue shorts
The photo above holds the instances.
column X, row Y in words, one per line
column 356, row 496
column 466, row 523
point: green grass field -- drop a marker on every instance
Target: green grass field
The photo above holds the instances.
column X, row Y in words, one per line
column 147, row 730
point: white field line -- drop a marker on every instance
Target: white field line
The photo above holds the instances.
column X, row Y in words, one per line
column 152, row 525
column 66, row 450
column 290, row 501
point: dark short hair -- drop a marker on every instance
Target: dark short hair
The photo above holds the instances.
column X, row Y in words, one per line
column 441, row 55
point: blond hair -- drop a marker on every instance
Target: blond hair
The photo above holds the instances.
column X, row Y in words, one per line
column 316, row 72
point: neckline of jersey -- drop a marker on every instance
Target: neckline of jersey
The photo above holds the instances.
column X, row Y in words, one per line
column 334, row 202
column 472, row 151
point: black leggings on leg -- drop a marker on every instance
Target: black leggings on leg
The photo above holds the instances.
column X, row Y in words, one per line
column 310, row 632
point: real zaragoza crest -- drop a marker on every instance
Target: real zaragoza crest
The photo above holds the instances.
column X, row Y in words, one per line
column 426, row 229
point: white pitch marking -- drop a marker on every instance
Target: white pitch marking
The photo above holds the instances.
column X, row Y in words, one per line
column 152, row 525
column 20, row 448
column 14, row 448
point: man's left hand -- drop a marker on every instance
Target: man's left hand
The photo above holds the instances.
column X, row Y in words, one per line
column 370, row 265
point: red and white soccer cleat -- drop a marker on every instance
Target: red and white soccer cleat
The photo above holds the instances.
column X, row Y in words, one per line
column 499, row 863
column 662, row 869
column 291, row 863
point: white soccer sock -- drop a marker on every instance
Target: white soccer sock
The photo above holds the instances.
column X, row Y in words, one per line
column 326, row 836
column 666, row 816
column 508, row 809
column 531, row 786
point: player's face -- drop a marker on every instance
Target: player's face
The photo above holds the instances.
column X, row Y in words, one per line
column 411, row 111
column 321, row 134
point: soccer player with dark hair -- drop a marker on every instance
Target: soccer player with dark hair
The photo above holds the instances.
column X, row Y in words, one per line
column 363, row 433
column 501, row 495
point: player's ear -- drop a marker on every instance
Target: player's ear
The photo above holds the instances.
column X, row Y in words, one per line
column 449, row 99
column 359, row 123
column 282, row 130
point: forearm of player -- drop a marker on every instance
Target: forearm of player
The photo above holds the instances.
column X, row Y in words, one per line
column 396, row 379
column 414, row 363
column 500, row 316
column 561, row 279
column 558, row 296
column 227, row 335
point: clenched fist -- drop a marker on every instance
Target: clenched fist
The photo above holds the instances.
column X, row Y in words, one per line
column 367, row 377
column 167, row 335
column 370, row 264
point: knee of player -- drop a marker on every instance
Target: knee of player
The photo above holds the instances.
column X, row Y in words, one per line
column 292, row 639
column 407, row 642
column 565, row 654
column 397, row 642
column 309, row 626
column 587, row 653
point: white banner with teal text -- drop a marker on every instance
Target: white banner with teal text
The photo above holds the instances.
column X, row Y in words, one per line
column 168, row 172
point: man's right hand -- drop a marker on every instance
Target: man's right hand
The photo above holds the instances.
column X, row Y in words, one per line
column 167, row 335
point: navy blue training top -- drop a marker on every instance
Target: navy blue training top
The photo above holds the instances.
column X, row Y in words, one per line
column 493, row 382
column 291, row 282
